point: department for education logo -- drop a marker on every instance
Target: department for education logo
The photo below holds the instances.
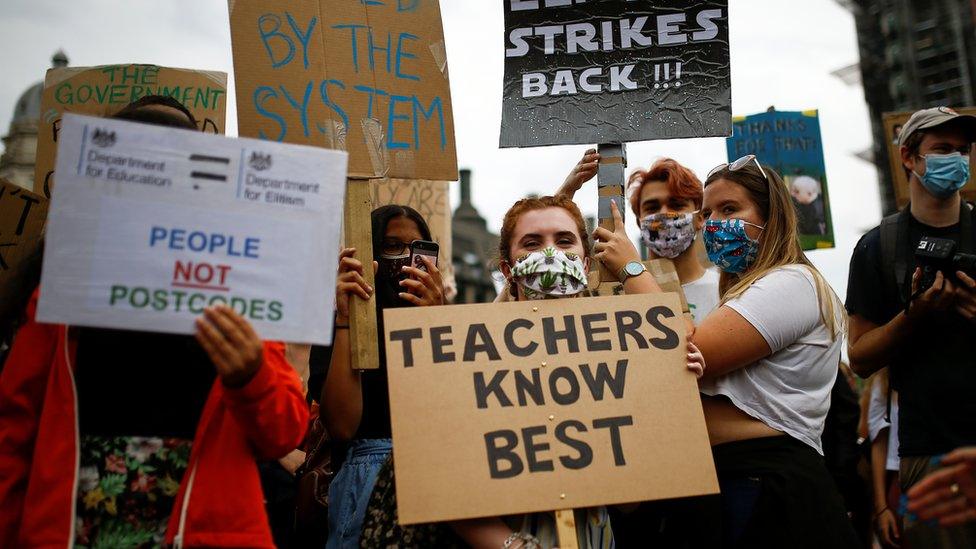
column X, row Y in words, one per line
column 259, row 162
column 103, row 138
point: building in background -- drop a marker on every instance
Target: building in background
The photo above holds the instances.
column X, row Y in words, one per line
column 474, row 250
column 20, row 143
column 914, row 54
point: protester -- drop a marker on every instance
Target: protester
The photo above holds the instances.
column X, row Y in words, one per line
column 949, row 494
column 355, row 404
column 772, row 350
column 546, row 234
column 921, row 326
column 883, row 428
column 112, row 438
column 666, row 200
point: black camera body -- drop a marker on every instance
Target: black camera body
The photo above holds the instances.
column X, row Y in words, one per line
column 939, row 254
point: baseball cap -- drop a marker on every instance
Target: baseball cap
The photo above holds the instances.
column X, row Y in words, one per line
column 936, row 116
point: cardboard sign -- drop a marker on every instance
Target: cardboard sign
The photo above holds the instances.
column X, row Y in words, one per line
column 22, row 216
column 366, row 77
column 104, row 90
column 543, row 405
column 893, row 122
column 615, row 71
column 152, row 224
column 790, row 142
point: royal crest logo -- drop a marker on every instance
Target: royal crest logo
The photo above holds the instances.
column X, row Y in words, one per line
column 103, row 138
column 259, row 162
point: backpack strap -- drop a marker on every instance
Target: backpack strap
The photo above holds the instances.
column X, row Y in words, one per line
column 894, row 254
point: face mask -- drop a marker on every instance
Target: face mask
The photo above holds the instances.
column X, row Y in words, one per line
column 728, row 245
column 944, row 174
column 668, row 235
column 389, row 273
column 549, row 273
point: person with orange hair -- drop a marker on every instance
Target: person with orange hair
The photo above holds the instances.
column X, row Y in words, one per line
column 666, row 200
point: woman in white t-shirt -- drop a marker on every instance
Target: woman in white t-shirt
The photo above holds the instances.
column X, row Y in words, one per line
column 772, row 349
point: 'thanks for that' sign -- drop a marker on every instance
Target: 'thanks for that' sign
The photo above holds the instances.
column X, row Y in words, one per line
column 615, row 71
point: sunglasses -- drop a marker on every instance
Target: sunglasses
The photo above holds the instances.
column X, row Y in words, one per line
column 738, row 165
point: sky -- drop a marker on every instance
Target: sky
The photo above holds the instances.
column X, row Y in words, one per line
column 782, row 56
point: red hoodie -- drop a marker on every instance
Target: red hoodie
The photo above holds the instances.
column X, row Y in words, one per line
column 220, row 502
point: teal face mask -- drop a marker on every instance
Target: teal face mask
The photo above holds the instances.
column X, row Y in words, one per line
column 944, row 174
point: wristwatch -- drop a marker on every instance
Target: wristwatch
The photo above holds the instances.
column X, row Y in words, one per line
column 634, row 268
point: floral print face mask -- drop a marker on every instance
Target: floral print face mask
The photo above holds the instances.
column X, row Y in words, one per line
column 549, row 273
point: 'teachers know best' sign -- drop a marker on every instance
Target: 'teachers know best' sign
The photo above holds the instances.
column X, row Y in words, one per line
column 149, row 225
column 615, row 71
column 513, row 408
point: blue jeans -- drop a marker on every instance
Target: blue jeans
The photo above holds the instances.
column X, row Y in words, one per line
column 350, row 490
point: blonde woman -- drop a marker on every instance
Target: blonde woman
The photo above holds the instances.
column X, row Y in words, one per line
column 772, row 349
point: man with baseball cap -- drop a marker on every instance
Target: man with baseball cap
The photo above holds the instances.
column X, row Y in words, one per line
column 923, row 330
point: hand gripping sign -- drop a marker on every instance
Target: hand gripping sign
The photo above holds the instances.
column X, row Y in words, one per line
column 150, row 225
column 567, row 403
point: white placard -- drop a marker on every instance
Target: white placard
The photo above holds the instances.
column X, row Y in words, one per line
column 148, row 225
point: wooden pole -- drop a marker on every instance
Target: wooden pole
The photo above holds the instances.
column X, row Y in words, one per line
column 566, row 529
column 363, row 336
column 610, row 184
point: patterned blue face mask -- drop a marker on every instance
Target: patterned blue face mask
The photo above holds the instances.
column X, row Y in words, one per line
column 728, row 245
column 944, row 174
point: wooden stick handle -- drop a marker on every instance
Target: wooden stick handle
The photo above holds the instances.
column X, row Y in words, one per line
column 566, row 529
column 363, row 336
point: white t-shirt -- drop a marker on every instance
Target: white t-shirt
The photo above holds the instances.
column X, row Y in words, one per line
column 788, row 390
column 877, row 407
column 702, row 295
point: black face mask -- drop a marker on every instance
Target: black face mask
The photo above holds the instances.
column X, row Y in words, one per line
column 389, row 274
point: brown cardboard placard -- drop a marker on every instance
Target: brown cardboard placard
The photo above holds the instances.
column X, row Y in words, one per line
column 598, row 387
column 893, row 121
column 106, row 89
column 22, row 215
column 366, row 77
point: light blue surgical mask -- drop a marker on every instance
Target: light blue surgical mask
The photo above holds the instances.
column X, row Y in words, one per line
column 944, row 174
column 728, row 245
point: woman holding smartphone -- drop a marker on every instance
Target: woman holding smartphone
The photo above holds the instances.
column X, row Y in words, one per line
column 355, row 404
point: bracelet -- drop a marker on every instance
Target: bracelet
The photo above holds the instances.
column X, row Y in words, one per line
column 878, row 514
column 341, row 326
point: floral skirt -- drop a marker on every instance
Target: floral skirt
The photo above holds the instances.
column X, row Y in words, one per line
column 126, row 490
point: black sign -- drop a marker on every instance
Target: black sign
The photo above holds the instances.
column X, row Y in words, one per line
column 614, row 71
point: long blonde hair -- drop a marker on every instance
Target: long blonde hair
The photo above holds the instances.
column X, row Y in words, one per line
column 779, row 244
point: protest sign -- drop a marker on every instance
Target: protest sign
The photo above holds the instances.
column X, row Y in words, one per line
column 790, row 143
column 104, row 90
column 893, row 122
column 567, row 403
column 366, row 77
column 152, row 224
column 22, row 216
column 614, row 71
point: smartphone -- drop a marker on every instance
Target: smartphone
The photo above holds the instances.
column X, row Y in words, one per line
column 420, row 248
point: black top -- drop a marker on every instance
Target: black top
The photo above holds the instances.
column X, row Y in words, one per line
column 140, row 383
column 935, row 372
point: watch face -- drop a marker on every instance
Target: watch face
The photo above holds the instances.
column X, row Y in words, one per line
column 634, row 268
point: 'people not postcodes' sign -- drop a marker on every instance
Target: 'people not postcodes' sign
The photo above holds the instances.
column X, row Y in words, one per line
column 536, row 406
column 368, row 77
column 150, row 225
column 615, row 71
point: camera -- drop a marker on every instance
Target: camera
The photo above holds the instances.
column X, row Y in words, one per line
column 939, row 254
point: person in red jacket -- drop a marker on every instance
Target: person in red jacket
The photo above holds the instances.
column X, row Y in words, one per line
column 118, row 438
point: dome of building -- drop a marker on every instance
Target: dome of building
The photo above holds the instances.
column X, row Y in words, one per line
column 28, row 106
